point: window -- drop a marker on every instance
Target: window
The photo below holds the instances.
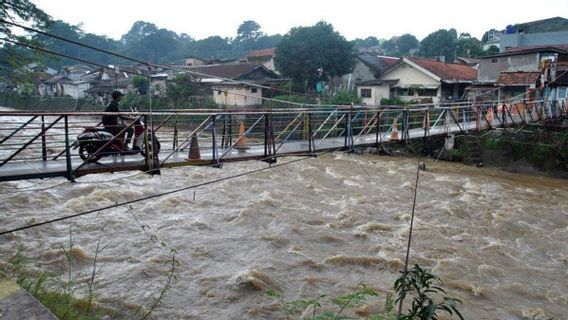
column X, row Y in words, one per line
column 430, row 92
column 253, row 90
column 365, row 93
column 219, row 92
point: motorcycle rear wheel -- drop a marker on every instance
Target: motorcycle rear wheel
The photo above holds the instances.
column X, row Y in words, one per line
column 144, row 151
column 87, row 150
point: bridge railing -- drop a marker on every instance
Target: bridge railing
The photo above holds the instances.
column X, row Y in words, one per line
column 222, row 135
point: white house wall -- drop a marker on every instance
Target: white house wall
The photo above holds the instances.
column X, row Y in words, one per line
column 377, row 93
column 408, row 76
column 75, row 90
column 237, row 96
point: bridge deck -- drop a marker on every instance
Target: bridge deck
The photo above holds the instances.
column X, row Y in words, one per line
column 352, row 128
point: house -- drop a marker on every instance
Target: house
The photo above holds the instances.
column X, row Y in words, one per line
column 525, row 73
column 264, row 57
column 75, row 72
column 62, row 86
column 552, row 31
column 236, row 84
column 102, row 81
column 368, row 67
column 100, row 90
column 159, row 84
column 421, row 80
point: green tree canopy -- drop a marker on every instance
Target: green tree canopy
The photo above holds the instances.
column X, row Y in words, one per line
column 140, row 83
column 366, row 43
column 440, row 43
column 13, row 58
column 389, row 47
column 64, row 30
column 407, row 42
column 182, row 88
column 211, row 48
column 11, row 10
column 468, row 46
column 145, row 41
column 490, row 51
column 248, row 30
column 307, row 54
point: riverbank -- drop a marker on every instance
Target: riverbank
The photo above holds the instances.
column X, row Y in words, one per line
column 530, row 149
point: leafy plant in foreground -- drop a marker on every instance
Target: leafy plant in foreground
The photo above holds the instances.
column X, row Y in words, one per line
column 419, row 283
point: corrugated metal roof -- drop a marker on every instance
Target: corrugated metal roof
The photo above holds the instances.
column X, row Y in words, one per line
column 378, row 63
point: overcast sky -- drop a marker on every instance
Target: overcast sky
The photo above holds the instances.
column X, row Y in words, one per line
column 353, row 19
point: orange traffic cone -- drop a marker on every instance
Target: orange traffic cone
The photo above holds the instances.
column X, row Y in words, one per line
column 194, row 153
column 394, row 132
column 242, row 141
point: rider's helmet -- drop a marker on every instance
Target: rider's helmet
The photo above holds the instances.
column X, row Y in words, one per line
column 115, row 94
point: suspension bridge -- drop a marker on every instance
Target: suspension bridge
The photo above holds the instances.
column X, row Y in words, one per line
column 42, row 145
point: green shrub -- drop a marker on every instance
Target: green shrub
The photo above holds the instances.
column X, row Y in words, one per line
column 419, row 284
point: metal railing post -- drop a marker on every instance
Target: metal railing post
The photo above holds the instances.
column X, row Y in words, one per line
column 43, row 140
column 311, row 147
column 68, row 164
column 378, row 133
column 348, row 143
column 214, row 151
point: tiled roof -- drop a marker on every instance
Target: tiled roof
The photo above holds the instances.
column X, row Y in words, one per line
column 447, row 71
column 378, row 63
column 517, row 78
column 262, row 53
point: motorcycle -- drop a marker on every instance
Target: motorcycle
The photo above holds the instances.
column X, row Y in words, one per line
column 94, row 138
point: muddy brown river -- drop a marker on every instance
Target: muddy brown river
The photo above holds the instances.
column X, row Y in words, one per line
column 498, row 240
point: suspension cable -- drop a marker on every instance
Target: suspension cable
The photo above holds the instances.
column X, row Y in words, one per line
column 404, row 275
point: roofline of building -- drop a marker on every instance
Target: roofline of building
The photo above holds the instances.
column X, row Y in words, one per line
column 527, row 51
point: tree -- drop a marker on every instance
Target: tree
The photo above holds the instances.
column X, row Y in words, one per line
column 407, row 42
column 101, row 42
column 248, row 30
column 211, row 48
column 490, row 51
column 140, row 83
column 366, row 43
column 65, row 30
column 145, row 41
column 182, row 88
column 305, row 50
column 24, row 10
column 440, row 43
column 468, row 46
column 389, row 47
column 15, row 58
column 139, row 30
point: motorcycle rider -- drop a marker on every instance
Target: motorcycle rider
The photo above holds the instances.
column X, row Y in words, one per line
column 114, row 123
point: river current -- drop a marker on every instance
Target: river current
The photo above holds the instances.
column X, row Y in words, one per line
column 318, row 226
